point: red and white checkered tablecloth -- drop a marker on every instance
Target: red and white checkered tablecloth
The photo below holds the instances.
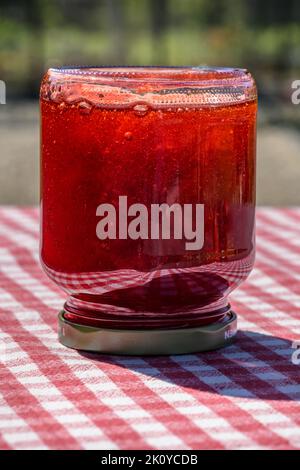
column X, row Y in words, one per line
column 244, row 396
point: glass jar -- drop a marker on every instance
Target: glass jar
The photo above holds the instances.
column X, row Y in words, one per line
column 147, row 203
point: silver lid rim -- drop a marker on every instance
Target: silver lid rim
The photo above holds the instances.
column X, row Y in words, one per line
column 149, row 341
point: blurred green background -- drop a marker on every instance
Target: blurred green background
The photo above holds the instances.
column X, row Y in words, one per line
column 263, row 36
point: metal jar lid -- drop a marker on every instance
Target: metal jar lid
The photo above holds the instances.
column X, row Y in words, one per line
column 148, row 342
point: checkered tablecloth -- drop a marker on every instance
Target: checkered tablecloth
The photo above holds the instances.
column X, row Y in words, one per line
column 244, row 396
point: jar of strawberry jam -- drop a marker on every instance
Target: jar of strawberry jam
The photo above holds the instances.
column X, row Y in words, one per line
column 147, row 203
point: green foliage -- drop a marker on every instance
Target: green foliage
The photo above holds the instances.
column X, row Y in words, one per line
column 43, row 33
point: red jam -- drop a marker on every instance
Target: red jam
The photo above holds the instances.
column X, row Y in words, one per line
column 152, row 136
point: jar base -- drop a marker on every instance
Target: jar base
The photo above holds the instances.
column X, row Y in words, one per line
column 150, row 342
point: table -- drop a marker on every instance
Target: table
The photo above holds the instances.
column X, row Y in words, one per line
column 242, row 397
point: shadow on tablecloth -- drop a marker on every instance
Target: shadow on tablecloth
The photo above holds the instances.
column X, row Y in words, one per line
column 256, row 366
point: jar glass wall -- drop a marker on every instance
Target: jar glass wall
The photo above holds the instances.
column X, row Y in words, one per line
column 147, row 192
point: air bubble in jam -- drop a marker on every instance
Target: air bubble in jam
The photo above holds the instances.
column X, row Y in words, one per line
column 128, row 135
column 141, row 109
column 84, row 107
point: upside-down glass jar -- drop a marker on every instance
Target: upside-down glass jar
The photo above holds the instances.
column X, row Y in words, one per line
column 147, row 203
